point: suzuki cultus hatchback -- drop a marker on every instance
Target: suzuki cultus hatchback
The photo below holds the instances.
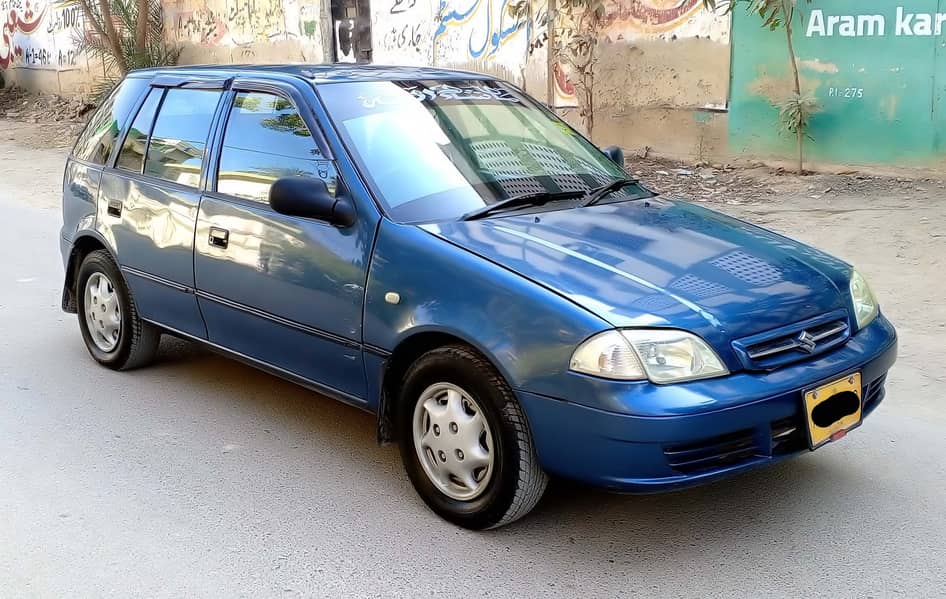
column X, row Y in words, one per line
column 439, row 249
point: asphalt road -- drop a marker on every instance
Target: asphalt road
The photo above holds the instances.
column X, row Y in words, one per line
column 201, row 477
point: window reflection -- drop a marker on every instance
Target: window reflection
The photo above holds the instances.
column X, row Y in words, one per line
column 434, row 150
column 265, row 139
column 180, row 135
column 132, row 156
column 97, row 140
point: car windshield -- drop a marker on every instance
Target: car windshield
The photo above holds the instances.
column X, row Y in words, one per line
column 436, row 150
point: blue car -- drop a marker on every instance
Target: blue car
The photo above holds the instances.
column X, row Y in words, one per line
column 439, row 249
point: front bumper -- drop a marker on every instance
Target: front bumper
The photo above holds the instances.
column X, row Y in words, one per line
column 698, row 441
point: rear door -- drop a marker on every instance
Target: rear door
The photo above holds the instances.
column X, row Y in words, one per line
column 92, row 152
column 150, row 199
column 282, row 290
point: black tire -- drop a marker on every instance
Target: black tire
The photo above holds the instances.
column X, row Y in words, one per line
column 517, row 481
column 137, row 340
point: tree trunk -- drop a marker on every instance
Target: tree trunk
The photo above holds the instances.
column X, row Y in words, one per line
column 789, row 14
column 800, row 140
column 99, row 28
column 111, row 36
column 551, row 52
column 589, row 104
column 141, row 27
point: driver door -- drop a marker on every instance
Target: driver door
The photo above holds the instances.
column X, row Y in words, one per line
column 281, row 290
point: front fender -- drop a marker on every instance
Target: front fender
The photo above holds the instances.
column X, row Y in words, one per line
column 527, row 331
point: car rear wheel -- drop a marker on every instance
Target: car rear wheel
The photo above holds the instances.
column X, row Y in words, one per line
column 465, row 441
column 112, row 330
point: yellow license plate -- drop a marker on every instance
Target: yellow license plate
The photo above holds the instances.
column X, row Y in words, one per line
column 833, row 409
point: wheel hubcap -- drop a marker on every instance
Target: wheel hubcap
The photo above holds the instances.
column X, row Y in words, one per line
column 453, row 441
column 103, row 314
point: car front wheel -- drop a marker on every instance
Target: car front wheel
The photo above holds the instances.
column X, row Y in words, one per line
column 112, row 330
column 465, row 441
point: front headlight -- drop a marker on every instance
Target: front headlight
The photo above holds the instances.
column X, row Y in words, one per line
column 865, row 306
column 661, row 355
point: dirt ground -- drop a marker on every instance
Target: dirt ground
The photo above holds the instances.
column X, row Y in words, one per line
column 41, row 121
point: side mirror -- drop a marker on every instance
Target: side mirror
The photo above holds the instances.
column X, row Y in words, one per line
column 308, row 197
column 616, row 155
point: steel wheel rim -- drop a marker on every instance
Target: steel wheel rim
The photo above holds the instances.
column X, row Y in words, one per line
column 103, row 313
column 453, row 441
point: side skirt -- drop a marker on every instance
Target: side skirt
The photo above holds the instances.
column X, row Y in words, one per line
column 309, row 384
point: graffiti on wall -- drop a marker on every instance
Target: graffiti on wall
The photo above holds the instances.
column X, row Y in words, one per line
column 39, row 34
column 481, row 29
column 663, row 19
column 479, row 34
column 403, row 31
column 243, row 22
column 230, row 21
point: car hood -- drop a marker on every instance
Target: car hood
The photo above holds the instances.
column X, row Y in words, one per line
column 663, row 263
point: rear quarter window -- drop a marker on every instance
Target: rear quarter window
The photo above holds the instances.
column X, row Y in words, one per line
column 179, row 136
column 132, row 155
column 97, row 140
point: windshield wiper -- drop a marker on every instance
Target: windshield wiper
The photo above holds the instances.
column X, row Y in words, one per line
column 595, row 195
column 527, row 199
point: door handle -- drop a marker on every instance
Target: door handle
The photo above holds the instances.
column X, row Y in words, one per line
column 114, row 208
column 219, row 237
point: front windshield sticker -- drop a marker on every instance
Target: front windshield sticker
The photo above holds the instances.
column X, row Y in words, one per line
column 441, row 92
column 375, row 101
column 468, row 91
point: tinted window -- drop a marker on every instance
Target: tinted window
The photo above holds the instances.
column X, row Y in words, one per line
column 180, row 135
column 132, row 155
column 97, row 140
column 266, row 139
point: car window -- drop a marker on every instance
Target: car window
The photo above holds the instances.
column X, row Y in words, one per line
column 132, row 154
column 97, row 140
column 176, row 151
column 265, row 139
column 436, row 150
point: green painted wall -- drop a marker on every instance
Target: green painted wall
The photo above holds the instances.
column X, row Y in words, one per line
column 882, row 90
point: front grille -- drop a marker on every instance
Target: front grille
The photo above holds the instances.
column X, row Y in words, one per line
column 779, row 347
column 712, row 453
column 788, row 436
column 873, row 393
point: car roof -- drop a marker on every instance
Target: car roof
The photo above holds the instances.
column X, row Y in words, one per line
column 318, row 73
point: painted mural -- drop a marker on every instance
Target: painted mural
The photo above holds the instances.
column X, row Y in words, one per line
column 563, row 90
column 39, row 34
column 663, row 19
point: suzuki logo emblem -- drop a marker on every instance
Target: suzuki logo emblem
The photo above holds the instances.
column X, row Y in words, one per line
column 806, row 341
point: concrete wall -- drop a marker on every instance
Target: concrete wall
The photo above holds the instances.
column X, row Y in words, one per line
column 477, row 35
column 671, row 76
column 662, row 80
column 877, row 69
column 38, row 48
column 248, row 31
